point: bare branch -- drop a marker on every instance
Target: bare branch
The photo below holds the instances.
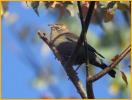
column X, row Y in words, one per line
column 80, row 14
column 110, row 67
column 90, row 92
column 89, row 14
column 85, row 25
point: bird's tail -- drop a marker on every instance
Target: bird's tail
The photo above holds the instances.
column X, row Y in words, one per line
column 112, row 73
column 99, row 63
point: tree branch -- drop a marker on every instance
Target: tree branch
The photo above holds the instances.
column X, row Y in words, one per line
column 89, row 87
column 80, row 14
column 69, row 70
column 82, row 35
column 110, row 67
column 85, row 25
column 89, row 14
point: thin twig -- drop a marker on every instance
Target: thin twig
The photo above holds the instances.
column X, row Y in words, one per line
column 89, row 88
column 81, row 38
column 85, row 47
column 80, row 14
column 110, row 67
column 89, row 14
column 69, row 70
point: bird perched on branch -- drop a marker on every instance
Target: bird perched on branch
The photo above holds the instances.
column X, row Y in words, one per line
column 65, row 42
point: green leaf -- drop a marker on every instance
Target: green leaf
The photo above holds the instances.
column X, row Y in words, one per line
column 70, row 10
column 123, row 6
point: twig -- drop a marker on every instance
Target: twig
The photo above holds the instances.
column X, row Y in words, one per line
column 90, row 92
column 80, row 14
column 69, row 70
column 89, row 14
column 110, row 67
column 89, row 88
column 85, row 47
column 81, row 38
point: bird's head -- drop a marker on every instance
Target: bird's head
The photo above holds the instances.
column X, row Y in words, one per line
column 60, row 28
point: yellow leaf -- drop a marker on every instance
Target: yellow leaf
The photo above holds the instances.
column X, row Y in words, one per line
column 114, row 89
column 1, row 7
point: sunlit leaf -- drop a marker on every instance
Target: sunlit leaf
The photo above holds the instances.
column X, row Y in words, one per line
column 66, row 3
column 123, row 6
column 56, row 5
column 115, row 58
column 48, row 4
column 108, row 16
column 114, row 89
column 1, row 8
column 70, row 10
column 124, row 77
column 111, row 4
column 4, row 7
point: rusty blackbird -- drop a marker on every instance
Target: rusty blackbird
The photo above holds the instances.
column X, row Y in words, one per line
column 65, row 42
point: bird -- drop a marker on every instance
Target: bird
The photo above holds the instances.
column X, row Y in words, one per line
column 66, row 41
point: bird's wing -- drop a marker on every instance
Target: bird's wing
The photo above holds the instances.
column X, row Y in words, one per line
column 74, row 38
column 93, row 50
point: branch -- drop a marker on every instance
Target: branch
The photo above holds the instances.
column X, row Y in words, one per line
column 89, row 87
column 80, row 14
column 89, row 14
column 81, row 38
column 85, row 26
column 69, row 70
column 110, row 67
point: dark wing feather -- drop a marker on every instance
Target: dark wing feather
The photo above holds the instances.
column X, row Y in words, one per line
column 92, row 49
column 73, row 38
